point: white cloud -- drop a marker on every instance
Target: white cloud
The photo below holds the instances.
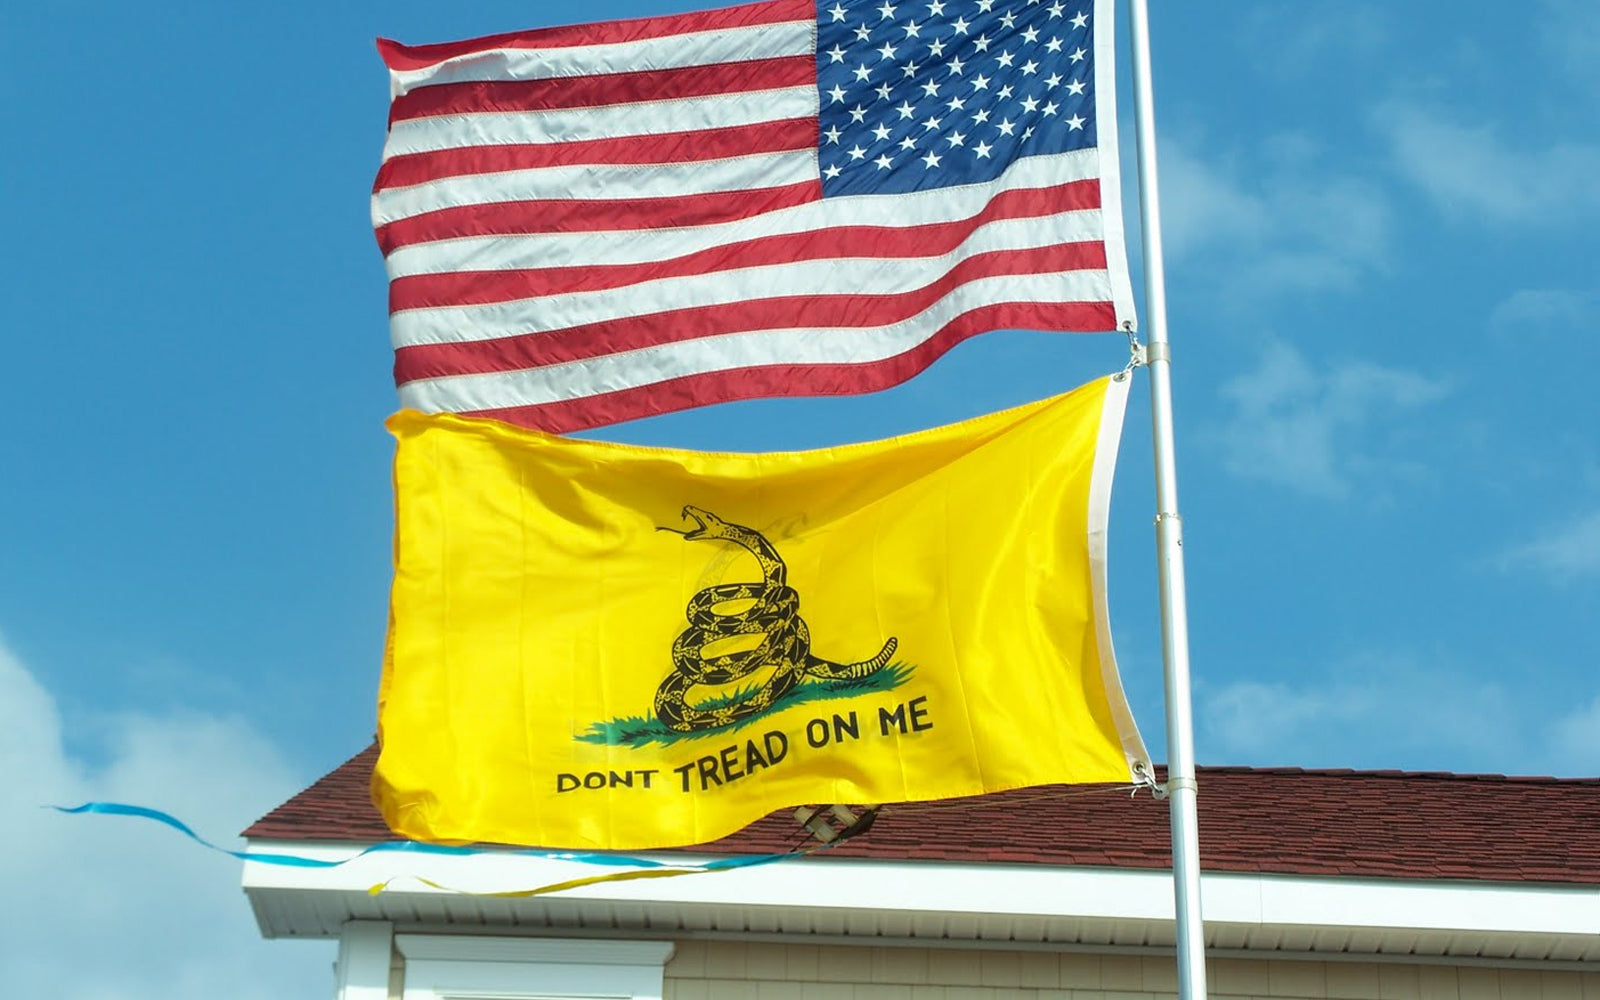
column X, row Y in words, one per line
column 1312, row 430
column 1282, row 222
column 113, row 908
column 1566, row 552
column 1570, row 32
column 1377, row 710
column 1576, row 736
column 1472, row 171
column 1552, row 309
column 1312, row 40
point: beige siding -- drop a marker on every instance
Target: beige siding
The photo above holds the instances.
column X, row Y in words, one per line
column 717, row 970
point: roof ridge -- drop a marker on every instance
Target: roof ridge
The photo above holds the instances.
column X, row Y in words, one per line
column 1334, row 822
column 1349, row 772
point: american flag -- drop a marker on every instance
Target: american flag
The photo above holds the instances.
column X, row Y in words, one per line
column 595, row 223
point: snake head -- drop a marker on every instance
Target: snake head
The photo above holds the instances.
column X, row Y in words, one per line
column 708, row 524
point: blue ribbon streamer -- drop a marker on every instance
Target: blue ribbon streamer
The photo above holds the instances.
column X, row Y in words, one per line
column 411, row 846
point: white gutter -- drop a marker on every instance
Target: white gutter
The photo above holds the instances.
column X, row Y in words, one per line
column 891, row 893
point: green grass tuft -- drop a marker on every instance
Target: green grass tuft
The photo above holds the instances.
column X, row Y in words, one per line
column 642, row 730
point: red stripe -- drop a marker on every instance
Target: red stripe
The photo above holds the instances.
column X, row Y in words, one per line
column 464, row 288
column 492, row 96
column 592, row 215
column 668, row 147
column 535, row 350
column 411, row 57
column 800, row 380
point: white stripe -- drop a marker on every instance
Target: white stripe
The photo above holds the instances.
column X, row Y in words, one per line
column 1105, row 115
column 824, row 277
column 515, row 128
column 1112, row 410
column 613, row 372
column 586, row 181
column 701, row 48
column 505, row 253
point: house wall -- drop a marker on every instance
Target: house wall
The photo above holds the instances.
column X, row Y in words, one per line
column 717, row 970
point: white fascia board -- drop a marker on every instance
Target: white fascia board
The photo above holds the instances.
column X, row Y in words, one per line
column 903, row 888
column 1489, row 907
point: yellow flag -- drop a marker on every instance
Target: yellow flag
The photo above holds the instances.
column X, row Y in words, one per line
column 605, row 646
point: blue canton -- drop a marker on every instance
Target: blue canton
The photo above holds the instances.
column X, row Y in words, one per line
column 943, row 92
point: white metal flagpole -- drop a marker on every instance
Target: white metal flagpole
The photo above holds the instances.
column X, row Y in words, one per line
column 1182, row 790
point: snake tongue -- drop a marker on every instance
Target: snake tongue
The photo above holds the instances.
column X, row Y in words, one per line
column 700, row 523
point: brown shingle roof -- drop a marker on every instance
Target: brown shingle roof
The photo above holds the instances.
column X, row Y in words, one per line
column 1366, row 824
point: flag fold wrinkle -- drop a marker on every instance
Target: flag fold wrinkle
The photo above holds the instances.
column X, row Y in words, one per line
column 605, row 646
column 595, row 223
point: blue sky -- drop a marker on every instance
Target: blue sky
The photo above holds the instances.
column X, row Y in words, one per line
column 1384, row 286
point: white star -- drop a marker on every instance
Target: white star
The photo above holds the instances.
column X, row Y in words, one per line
column 1081, row 21
column 981, row 43
column 957, row 67
column 981, row 116
column 936, row 48
column 883, row 162
column 832, row 172
column 913, row 29
column 908, row 143
column 1027, row 134
column 883, row 91
column 837, row 10
column 1074, row 122
column 956, row 104
column 1006, row 58
column 1075, row 88
column 961, row 26
column 1030, row 34
column 980, row 82
column 931, row 124
column 856, row 152
column 1008, row 19
column 862, row 73
column 1053, row 45
column 1029, row 68
column 906, row 110
column 982, row 149
column 931, row 89
column 887, row 10
column 1051, row 108
column 1056, row 9
column 936, row 8
column 887, row 51
column 1029, row 104
column 833, row 134
column 932, row 159
column 1077, row 55
column 881, row 131
column 956, row 138
column 1053, row 80
column 1005, row 92
column 863, row 32
column 858, row 114
column 837, row 93
column 835, row 54
column 1006, row 126
column 985, row 5
column 910, row 68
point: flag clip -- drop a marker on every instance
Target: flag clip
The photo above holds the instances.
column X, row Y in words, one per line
column 1137, row 355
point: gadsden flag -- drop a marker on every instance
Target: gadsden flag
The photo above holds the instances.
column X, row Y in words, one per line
column 605, row 646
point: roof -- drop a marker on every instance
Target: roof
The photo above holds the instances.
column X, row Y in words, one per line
column 1288, row 821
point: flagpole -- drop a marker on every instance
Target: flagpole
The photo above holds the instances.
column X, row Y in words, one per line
column 1182, row 790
